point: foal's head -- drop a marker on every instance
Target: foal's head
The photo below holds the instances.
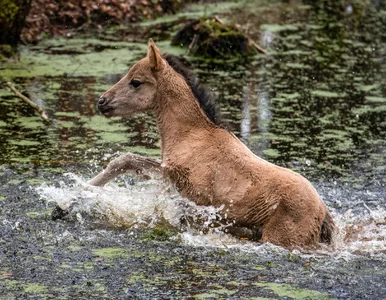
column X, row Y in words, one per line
column 136, row 91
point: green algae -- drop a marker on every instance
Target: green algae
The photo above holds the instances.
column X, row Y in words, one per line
column 271, row 153
column 368, row 109
column 66, row 124
column 11, row 283
column 74, row 248
column 146, row 151
column 373, row 99
column 33, row 64
column 65, row 266
column 260, row 268
column 101, row 123
column 367, row 88
column 35, row 288
column 135, row 278
column 298, row 66
column 292, row 96
column 287, row 290
column 325, row 94
column 30, row 122
column 24, row 143
column 111, row 253
column 67, row 114
column 169, row 49
column 39, row 214
column 14, row 181
column 115, row 59
column 160, row 234
column 109, row 137
column 28, row 288
column 278, row 27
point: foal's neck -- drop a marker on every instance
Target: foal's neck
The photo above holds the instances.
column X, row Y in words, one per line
column 178, row 112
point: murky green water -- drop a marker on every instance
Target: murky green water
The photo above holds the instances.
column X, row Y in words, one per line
column 315, row 103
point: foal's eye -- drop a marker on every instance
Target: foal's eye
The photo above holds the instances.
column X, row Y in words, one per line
column 135, row 83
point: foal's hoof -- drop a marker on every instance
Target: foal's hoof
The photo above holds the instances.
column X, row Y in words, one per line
column 59, row 213
column 246, row 233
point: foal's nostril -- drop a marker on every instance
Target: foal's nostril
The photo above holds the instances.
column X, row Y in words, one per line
column 102, row 101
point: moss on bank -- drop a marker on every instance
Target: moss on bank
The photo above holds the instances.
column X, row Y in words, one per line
column 12, row 17
column 212, row 39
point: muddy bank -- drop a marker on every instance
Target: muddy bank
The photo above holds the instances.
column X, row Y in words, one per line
column 46, row 259
column 49, row 18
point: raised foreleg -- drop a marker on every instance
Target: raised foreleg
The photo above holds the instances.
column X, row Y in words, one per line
column 128, row 163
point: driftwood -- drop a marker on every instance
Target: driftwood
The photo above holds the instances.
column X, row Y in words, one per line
column 25, row 99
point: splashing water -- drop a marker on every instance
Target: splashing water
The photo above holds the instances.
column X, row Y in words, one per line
column 147, row 203
column 153, row 203
column 364, row 233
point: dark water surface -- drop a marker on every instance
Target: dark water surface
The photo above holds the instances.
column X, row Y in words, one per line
column 316, row 103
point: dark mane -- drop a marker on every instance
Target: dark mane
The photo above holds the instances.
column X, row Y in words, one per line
column 203, row 95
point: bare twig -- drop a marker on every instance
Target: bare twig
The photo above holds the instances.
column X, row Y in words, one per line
column 192, row 44
column 257, row 47
column 218, row 20
column 25, row 99
column 250, row 41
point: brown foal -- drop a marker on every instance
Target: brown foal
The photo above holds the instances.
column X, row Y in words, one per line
column 208, row 164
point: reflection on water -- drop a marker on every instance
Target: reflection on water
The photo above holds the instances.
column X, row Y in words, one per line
column 325, row 85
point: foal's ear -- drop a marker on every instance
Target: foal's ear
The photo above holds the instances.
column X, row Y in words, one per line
column 154, row 55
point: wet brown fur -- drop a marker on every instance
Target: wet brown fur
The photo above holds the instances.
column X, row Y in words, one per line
column 210, row 166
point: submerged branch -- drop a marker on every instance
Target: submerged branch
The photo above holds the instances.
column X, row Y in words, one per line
column 27, row 100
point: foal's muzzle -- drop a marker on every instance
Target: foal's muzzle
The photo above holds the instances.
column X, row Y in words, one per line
column 103, row 106
column 102, row 100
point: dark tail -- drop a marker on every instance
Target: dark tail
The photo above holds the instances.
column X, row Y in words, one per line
column 328, row 228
